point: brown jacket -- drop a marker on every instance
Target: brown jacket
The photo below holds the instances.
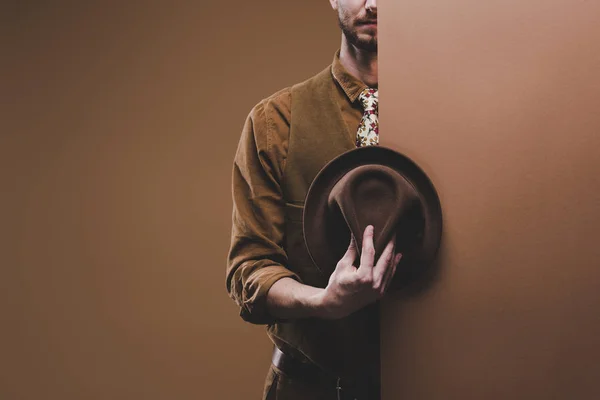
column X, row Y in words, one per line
column 276, row 160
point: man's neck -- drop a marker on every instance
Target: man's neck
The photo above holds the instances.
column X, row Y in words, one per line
column 360, row 63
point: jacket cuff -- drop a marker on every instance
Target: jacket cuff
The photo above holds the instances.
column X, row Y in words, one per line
column 254, row 309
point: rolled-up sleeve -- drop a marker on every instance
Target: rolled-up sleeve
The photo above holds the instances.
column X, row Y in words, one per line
column 256, row 258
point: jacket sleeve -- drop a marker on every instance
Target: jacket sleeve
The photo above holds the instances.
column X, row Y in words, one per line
column 256, row 258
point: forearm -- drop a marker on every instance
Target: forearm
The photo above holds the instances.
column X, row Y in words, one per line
column 290, row 299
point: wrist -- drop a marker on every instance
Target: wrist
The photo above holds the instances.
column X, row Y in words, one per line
column 320, row 304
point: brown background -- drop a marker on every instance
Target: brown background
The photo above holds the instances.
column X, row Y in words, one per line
column 119, row 123
column 498, row 101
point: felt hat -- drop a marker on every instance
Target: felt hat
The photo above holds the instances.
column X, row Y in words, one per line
column 373, row 185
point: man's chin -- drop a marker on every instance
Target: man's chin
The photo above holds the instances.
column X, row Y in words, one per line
column 363, row 39
column 367, row 44
column 370, row 47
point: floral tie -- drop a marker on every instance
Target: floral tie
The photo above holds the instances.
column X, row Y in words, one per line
column 368, row 130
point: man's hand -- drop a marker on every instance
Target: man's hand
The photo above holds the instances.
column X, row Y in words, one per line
column 351, row 288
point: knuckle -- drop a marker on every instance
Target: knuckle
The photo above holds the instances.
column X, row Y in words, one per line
column 366, row 280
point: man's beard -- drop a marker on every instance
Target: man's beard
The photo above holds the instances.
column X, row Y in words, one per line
column 351, row 34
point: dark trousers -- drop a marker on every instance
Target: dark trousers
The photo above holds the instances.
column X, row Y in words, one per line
column 279, row 386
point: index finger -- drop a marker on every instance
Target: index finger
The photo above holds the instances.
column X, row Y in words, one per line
column 385, row 260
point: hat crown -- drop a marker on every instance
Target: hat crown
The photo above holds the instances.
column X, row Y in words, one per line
column 375, row 195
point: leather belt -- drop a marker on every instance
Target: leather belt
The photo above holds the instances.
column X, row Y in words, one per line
column 309, row 372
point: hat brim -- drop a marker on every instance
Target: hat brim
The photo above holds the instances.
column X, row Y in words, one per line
column 326, row 249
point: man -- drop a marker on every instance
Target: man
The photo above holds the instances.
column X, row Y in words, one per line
column 325, row 328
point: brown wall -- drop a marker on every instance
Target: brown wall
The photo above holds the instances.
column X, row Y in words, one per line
column 119, row 124
column 498, row 101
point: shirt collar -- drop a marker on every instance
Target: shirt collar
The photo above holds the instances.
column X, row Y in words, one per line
column 351, row 85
